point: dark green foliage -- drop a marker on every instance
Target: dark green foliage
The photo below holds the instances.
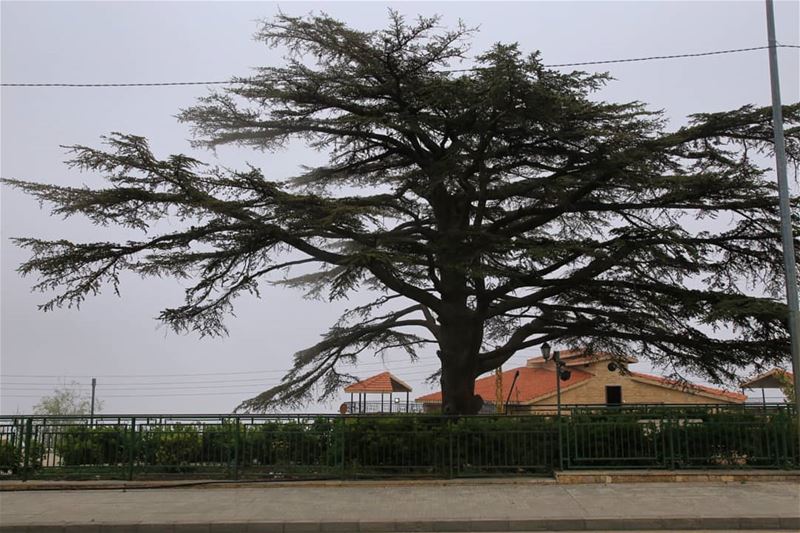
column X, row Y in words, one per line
column 81, row 445
column 492, row 210
column 417, row 446
column 615, row 442
column 692, row 437
column 10, row 457
column 175, row 448
column 736, row 440
column 13, row 456
column 439, row 446
column 402, row 445
column 290, row 447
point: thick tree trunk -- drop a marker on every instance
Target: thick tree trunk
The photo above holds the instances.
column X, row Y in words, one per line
column 460, row 333
column 459, row 357
column 458, row 390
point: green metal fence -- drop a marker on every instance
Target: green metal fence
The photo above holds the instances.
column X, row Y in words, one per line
column 326, row 446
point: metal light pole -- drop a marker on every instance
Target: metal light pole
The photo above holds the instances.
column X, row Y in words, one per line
column 510, row 391
column 558, row 363
column 783, row 194
column 91, row 414
column 557, row 359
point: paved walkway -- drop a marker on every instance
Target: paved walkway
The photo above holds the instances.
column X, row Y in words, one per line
column 373, row 507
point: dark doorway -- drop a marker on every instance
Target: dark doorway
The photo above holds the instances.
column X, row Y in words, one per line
column 613, row 395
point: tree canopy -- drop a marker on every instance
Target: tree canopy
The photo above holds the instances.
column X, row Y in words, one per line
column 492, row 209
column 66, row 400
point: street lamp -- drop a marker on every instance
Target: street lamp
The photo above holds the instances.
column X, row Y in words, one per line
column 561, row 373
column 546, row 350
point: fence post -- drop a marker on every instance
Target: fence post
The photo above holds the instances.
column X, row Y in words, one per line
column 343, row 429
column 561, row 458
column 787, row 450
column 17, row 437
column 131, row 448
column 671, row 432
column 27, row 459
column 236, row 445
column 450, row 442
column 560, row 446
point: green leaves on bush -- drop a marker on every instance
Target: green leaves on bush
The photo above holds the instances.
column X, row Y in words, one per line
column 10, row 457
column 413, row 445
column 82, row 445
column 173, row 448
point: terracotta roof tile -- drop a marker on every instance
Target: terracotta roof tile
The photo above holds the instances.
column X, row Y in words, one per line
column 383, row 382
column 579, row 357
column 531, row 384
column 768, row 380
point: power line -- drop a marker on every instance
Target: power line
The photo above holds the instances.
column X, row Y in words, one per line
column 414, row 371
column 40, row 385
column 169, row 387
column 473, row 69
column 412, row 368
column 156, row 84
column 674, row 56
column 369, row 364
column 194, row 394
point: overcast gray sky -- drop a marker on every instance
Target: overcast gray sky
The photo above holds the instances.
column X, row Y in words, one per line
column 140, row 366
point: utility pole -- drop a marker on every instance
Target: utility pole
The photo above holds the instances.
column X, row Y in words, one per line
column 783, row 193
column 91, row 415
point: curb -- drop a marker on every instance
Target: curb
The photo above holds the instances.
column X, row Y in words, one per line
column 583, row 477
column 39, row 485
column 488, row 526
column 560, row 478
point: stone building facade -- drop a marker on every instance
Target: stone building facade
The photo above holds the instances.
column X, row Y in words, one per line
column 597, row 379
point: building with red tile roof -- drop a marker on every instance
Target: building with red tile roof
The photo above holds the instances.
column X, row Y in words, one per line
column 777, row 378
column 531, row 385
column 594, row 379
column 693, row 388
column 384, row 382
column 773, row 379
column 380, row 384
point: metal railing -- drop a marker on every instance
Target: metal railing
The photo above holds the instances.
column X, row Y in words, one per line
column 373, row 407
column 334, row 446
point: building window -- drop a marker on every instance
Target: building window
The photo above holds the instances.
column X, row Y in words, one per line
column 613, row 394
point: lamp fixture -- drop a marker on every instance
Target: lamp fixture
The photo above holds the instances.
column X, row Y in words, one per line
column 546, row 351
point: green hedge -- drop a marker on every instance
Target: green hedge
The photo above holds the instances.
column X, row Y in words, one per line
column 695, row 439
column 415, row 445
column 172, row 448
column 10, row 457
column 82, row 445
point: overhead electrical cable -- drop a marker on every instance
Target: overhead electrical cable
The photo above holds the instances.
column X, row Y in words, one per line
column 410, row 370
column 194, row 394
column 421, row 367
column 136, row 376
column 473, row 69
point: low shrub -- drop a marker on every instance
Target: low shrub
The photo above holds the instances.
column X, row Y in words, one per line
column 422, row 444
column 172, row 448
column 287, row 444
column 10, row 457
column 82, row 445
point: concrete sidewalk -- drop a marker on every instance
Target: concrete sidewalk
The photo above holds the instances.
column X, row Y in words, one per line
column 372, row 507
